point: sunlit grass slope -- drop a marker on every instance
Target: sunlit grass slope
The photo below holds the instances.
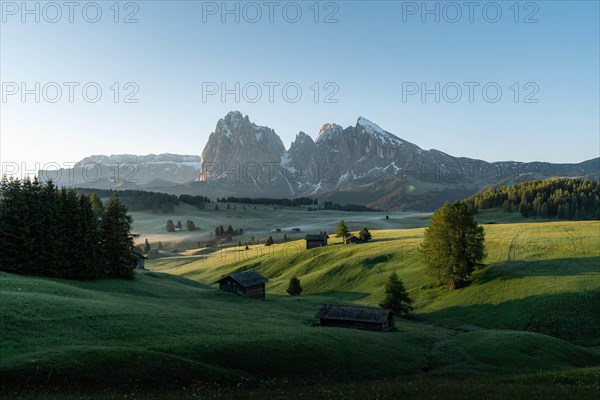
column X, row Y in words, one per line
column 542, row 277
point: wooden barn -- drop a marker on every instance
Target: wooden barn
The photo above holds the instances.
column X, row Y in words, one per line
column 313, row 241
column 352, row 240
column 368, row 318
column 247, row 283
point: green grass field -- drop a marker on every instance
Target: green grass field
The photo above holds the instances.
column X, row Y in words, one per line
column 527, row 326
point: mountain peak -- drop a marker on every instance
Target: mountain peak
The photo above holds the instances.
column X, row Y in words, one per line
column 376, row 131
column 362, row 121
column 327, row 130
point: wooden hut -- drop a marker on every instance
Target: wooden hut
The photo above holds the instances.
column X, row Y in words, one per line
column 368, row 318
column 247, row 283
column 351, row 239
column 313, row 241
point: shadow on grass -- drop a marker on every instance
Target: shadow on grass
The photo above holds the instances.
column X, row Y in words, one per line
column 570, row 316
column 350, row 296
column 555, row 267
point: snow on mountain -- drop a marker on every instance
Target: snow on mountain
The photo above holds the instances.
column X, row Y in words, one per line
column 379, row 133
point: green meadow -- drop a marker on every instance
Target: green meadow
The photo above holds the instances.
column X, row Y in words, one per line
column 526, row 327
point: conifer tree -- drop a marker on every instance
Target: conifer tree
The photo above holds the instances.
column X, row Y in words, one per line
column 96, row 204
column 116, row 240
column 294, row 287
column 396, row 296
column 342, row 230
column 364, row 235
column 170, row 226
column 453, row 244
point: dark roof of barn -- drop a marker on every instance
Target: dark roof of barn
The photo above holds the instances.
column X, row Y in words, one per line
column 315, row 237
column 353, row 313
column 246, row 278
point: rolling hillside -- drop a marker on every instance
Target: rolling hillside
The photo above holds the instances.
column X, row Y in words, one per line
column 532, row 310
column 541, row 277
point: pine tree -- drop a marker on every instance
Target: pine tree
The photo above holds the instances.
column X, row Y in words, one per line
column 12, row 234
column 179, row 225
column 159, row 246
column 396, row 296
column 170, row 226
column 116, row 240
column 364, row 235
column 453, row 244
column 294, row 287
column 147, row 247
column 96, row 204
column 342, row 230
column 190, row 225
column 88, row 249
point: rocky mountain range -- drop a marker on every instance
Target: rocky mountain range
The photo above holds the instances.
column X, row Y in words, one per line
column 361, row 164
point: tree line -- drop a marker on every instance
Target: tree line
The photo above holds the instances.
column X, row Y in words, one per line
column 55, row 232
column 172, row 227
column 140, row 200
column 329, row 205
column 300, row 201
column 561, row 198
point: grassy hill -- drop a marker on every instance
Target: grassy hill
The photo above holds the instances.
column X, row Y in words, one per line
column 541, row 277
column 533, row 308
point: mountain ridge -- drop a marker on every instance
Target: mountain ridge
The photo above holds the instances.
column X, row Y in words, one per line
column 360, row 164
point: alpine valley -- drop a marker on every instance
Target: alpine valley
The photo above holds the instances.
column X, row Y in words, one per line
column 362, row 164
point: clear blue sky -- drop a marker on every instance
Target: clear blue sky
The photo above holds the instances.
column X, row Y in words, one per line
column 372, row 49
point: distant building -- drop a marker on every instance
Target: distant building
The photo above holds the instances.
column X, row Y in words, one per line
column 247, row 283
column 313, row 241
column 295, row 229
column 368, row 318
column 277, row 229
column 352, row 240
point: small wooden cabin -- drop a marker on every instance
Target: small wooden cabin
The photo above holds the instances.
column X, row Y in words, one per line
column 352, row 240
column 247, row 283
column 368, row 318
column 313, row 241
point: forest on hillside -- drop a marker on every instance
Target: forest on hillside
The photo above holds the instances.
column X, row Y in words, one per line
column 139, row 200
column 574, row 199
column 47, row 231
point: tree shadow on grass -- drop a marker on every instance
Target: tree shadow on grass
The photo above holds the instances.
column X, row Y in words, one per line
column 342, row 295
column 569, row 315
column 555, row 267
